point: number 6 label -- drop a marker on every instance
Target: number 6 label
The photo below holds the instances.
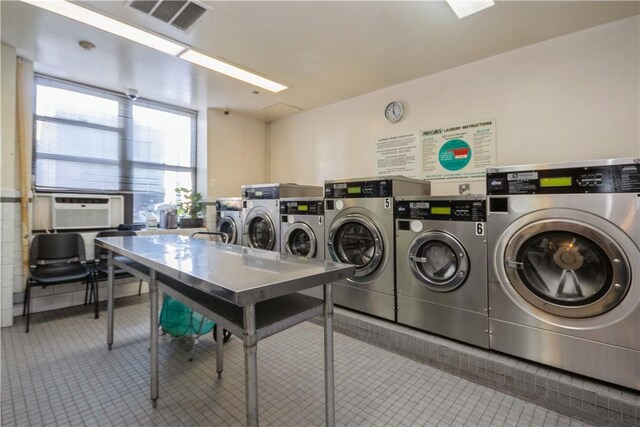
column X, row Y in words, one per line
column 479, row 228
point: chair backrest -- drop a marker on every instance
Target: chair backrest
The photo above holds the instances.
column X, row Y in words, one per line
column 101, row 252
column 58, row 247
column 210, row 235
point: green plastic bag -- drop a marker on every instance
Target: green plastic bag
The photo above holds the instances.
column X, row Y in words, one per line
column 178, row 320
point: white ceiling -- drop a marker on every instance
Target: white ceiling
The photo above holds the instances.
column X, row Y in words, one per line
column 325, row 51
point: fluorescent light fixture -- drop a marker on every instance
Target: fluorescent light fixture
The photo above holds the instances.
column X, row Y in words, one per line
column 231, row 70
column 113, row 26
column 463, row 8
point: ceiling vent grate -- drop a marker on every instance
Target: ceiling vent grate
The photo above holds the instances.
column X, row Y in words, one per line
column 182, row 14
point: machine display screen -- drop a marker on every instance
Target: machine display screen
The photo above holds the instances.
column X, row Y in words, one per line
column 354, row 190
column 258, row 193
column 303, row 208
column 441, row 210
column 561, row 181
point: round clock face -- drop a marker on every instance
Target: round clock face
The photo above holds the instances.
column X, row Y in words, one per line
column 394, row 112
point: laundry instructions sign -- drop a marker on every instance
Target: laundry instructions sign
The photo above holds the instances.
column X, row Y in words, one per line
column 460, row 151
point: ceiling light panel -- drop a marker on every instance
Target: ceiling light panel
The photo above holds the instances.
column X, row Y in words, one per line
column 102, row 22
column 231, row 70
column 463, row 8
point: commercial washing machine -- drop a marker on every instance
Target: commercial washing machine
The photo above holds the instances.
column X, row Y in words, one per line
column 229, row 218
column 261, row 212
column 302, row 231
column 441, row 266
column 564, row 266
column 360, row 230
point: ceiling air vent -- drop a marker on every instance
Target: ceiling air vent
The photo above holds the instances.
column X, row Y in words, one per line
column 182, row 14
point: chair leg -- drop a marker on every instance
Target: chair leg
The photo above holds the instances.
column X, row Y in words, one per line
column 24, row 304
column 86, row 294
column 28, row 303
column 97, row 300
column 140, row 288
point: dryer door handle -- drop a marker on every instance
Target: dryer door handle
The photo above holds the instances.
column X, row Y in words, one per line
column 418, row 259
column 515, row 264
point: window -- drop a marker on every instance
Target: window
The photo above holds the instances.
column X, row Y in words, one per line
column 92, row 140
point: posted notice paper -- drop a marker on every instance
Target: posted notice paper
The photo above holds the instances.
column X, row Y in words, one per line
column 398, row 155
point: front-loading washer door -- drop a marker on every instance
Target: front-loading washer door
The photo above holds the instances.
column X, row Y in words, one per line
column 355, row 239
column 260, row 232
column 227, row 226
column 438, row 261
column 567, row 268
column 300, row 240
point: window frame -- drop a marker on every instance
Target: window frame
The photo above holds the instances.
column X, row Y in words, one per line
column 124, row 130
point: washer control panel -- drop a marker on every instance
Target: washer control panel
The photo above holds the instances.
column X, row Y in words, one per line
column 442, row 210
column 594, row 179
column 302, row 207
column 266, row 192
column 361, row 189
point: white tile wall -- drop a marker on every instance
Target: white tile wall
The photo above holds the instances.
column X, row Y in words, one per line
column 10, row 255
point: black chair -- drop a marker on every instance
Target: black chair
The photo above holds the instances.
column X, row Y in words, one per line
column 56, row 259
column 101, row 269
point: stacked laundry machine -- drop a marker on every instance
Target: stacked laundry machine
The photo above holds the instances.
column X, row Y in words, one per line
column 302, row 231
column 360, row 230
column 261, row 212
column 564, row 266
column 229, row 218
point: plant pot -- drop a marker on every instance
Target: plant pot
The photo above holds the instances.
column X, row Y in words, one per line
column 191, row 222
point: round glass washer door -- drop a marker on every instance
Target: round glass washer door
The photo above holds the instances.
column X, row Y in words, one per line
column 227, row 226
column 438, row 261
column 567, row 268
column 260, row 231
column 300, row 240
column 355, row 239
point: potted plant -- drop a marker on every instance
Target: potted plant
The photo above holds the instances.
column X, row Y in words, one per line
column 190, row 207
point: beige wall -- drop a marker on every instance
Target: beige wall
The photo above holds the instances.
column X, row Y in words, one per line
column 236, row 152
column 571, row 98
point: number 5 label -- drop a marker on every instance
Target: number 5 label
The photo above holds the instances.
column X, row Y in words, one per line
column 387, row 203
column 479, row 228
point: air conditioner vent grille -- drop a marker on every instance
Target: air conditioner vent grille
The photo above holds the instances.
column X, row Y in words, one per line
column 145, row 6
column 166, row 10
column 181, row 14
column 189, row 16
column 82, row 200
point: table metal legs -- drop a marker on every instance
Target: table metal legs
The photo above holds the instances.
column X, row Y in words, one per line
column 250, row 364
column 153, row 298
column 328, row 357
column 219, row 349
column 110, row 297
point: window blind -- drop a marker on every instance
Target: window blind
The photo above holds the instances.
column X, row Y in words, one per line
column 93, row 140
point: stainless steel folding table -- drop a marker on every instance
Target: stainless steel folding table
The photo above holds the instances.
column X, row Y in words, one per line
column 249, row 292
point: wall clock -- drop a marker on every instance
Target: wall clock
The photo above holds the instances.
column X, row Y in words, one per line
column 394, row 112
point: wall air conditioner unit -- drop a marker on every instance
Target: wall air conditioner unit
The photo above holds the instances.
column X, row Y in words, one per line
column 79, row 211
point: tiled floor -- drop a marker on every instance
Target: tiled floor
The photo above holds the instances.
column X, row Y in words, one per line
column 61, row 373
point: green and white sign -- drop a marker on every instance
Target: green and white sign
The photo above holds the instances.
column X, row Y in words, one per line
column 460, row 151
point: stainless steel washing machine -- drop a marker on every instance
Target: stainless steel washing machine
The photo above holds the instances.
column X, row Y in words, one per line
column 564, row 266
column 302, row 231
column 261, row 212
column 229, row 218
column 441, row 266
column 360, row 230
column 302, row 227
